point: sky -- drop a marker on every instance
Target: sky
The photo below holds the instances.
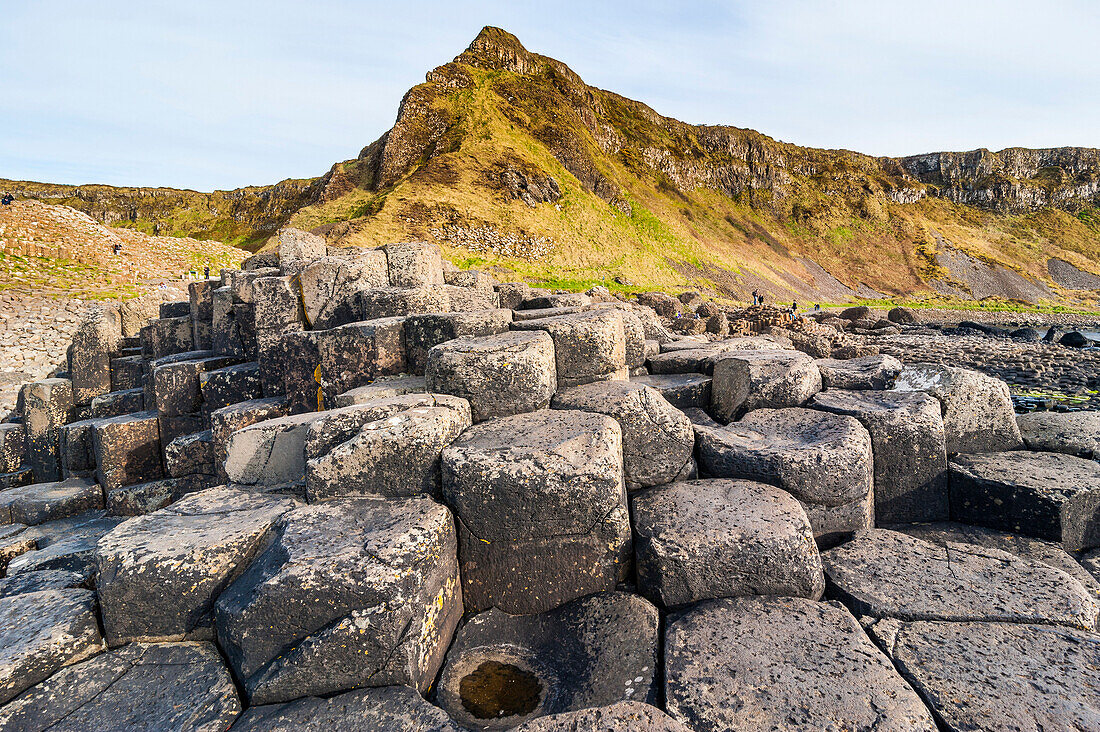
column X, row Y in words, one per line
column 219, row 94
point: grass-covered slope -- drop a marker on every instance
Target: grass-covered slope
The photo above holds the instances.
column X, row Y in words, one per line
column 614, row 190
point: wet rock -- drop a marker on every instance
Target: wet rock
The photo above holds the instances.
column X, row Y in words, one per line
column 430, row 329
column 782, row 663
column 658, row 439
column 885, row 573
column 762, row 380
column 540, row 508
column 627, row 715
column 681, row 390
column 188, row 552
column 385, row 709
column 824, row 460
column 867, row 372
column 351, row 592
column 500, row 375
column 1072, row 433
column 704, row 539
column 506, row 669
column 910, row 459
column 1000, row 676
column 1043, row 494
column 161, row 686
column 395, row 454
column 48, row 579
column 1075, row 339
column 66, row 544
column 977, row 409
column 41, row 502
column 588, row 346
column 127, row 450
column 40, row 632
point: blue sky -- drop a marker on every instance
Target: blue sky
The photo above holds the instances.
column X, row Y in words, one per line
column 207, row 95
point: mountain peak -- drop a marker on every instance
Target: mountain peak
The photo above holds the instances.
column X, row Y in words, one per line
column 497, row 49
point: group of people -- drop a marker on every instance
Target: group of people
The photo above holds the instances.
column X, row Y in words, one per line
column 792, row 311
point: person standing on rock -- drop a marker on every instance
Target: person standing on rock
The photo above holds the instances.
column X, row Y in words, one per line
column 755, row 298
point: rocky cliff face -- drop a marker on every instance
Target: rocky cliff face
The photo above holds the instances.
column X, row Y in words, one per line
column 508, row 157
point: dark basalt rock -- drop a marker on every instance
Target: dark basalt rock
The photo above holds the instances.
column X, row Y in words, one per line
column 782, row 663
column 141, row 686
column 884, row 573
column 505, row 669
column 385, row 709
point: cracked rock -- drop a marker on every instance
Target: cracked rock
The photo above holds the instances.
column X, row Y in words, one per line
column 348, row 593
column 782, row 663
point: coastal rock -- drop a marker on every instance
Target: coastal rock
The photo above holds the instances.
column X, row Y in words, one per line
column 705, row 539
column 385, row 709
column 1072, row 433
column 506, row 669
column 753, row 380
column 782, row 663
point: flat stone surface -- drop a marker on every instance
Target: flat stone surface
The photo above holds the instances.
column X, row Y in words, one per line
column 885, row 573
column 351, row 592
column 500, row 375
column 658, row 439
column 385, row 709
column 1026, row 547
column 1073, row 433
column 977, row 409
column 188, row 552
column 67, row 544
column 40, row 632
column 160, row 686
column 48, row 579
column 382, row 388
column 627, row 715
column 705, row 539
column 41, row 502
column 782, row 663
column 908, row 447
column 1000, row 676
column 539, row 503
column 1043, row 494
column 681, row 390
column 865, row 372
column 591, row 652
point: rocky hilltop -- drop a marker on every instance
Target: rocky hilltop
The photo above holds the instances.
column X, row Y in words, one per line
column 365, row 489
column 508, row 159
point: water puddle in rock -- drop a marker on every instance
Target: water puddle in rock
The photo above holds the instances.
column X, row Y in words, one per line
column 496, row 690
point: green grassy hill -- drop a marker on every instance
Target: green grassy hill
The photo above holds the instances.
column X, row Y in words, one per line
column 508, row 159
